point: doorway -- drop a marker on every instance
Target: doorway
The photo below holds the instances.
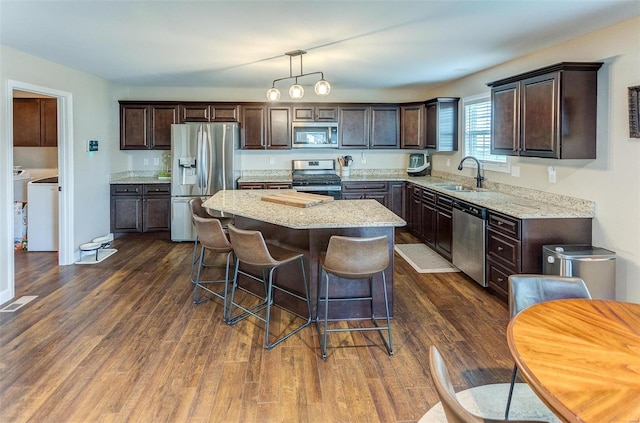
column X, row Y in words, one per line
column 66, row 253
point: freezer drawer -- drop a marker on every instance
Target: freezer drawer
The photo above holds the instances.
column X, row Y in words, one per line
column 595, row 265
column 182, row 228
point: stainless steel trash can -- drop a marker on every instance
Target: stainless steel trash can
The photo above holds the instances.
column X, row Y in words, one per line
column 595, row 265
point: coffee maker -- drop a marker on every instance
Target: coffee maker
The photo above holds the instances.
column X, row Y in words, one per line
column 419, row 164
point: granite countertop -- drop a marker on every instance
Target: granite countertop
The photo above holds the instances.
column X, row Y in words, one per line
column 332, row 214
column 137, row 177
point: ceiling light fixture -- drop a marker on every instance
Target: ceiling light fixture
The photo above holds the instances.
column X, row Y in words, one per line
column 296, row 91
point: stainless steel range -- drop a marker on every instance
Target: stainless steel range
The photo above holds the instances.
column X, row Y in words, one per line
column 316, row 177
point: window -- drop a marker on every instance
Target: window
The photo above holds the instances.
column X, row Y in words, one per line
column 477, row 133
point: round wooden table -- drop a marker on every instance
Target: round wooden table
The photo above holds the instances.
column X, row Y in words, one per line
column 581, row 357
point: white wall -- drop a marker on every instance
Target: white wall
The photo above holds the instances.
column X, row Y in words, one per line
column 613, row 179
column 91, row 120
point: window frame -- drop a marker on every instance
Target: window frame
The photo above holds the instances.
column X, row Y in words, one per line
column 492, row 165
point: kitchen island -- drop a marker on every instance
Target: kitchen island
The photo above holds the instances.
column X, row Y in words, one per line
column 308, row 230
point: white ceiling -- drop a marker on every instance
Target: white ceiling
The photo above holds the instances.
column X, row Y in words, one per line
column 357, row 44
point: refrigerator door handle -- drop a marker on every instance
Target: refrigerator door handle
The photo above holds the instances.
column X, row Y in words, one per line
column 203, row 159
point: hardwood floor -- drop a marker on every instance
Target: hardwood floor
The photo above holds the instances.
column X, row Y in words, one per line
column 122, row 341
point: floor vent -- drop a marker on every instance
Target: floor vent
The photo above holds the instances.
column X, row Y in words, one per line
column 10, row 308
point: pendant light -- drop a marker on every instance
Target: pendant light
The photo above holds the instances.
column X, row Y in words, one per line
column 296, row 92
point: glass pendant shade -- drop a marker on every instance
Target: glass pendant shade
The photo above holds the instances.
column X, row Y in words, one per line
column 296, row 91
column 322, row 87
column 273, row 94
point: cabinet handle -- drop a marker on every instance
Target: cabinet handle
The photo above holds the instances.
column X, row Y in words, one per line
column 500, row 279
column 500, row 223
column 500, row 249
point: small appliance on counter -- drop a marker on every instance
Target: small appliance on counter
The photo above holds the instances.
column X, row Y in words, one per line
column 419, row 164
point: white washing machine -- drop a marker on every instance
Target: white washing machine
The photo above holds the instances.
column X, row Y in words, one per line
column 42, row 219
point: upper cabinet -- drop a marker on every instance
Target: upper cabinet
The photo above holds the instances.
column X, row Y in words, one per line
column 442, row 123
column 412, row 130
column 252, row 127
column 145, row 126
column 549, row 112
column 216, row 112
column 279, row 127
column 363, row 126
column 35, row 122
column 315, row 113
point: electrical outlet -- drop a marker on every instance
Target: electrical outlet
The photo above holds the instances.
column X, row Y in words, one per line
column 156, row 161
column 552, row 174
column 515, row 171
column 448, row 162
column 272, row 160
column 363, row 158
column 146, row 162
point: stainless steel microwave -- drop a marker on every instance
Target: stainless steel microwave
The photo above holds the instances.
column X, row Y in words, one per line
column 315, row 135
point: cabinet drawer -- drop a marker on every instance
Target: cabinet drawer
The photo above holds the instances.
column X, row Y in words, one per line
column 503, row 249
column 364, row 186
column 498, row 278
column 126, row 189
column 277, row 185
column 417, row 192
column 504, row 224
column 250, row 185
column 428, row 196
column 444, row 202
column 156, row 189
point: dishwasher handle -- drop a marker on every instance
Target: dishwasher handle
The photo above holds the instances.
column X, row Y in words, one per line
column 472, row 209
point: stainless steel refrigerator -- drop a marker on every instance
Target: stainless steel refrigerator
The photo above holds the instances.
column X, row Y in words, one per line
column 205, row 159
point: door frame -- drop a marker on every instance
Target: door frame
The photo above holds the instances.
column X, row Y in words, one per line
column 66, row 252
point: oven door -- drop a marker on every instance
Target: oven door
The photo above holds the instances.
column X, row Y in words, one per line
column 331, row 191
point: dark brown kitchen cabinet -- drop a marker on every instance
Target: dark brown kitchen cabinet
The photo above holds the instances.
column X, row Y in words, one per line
column 311, row 113
column 279, row 128
column 146, row 126
column 35, row 122
column 397, row 198
column 375, row 190
column 442, row 123
column 140, row 207
column 549, row 112
column 515, row 245
column 369, row 126
column 354, row 126
column 444, row 225
column 264, row 185
column 429, row 217
column 252, row 127
column 412, row 129
column 217, row 112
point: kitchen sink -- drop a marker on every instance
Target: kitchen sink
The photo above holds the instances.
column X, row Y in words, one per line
column 459, row 188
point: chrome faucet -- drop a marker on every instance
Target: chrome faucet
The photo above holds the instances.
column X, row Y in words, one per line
column 479, row 178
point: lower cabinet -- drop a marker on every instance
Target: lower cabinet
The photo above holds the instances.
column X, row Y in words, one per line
column 140, row 207
column 444, row 225
column 515, row 245
column 264, row 185
column 376, row 190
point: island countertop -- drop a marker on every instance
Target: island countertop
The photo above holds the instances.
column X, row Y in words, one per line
column 333, row 214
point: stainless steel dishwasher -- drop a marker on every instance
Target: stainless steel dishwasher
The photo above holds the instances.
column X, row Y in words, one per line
column 468, row 245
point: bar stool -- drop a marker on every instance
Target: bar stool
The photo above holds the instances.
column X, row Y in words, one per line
column 251, row 249
column 212, row 238
column 354, row 258
column 195, row 204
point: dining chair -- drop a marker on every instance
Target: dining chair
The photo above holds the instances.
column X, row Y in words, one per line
column 353, row 258
column 527, row 290
column 453, row 410
column 251, row 249
column 212, row 238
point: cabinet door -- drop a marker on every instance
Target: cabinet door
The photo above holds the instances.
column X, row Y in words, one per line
column 162, row 117
column 442, row 124
column 444, row 235
column 126, row 214
column 195, row 112
column 354, row 127
column 253, row 127
column 385, row 127
column 279, row 128
column 134, row 127
column 539, row 102
column 26, row 122
column 49, row 122
column 416, row 211
column 380, row 197
column 224, row 112
column 505, row 138
column 327, row 114
column 157, row 213
column 412, row 130
column 428, row 222
column 396, row 198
